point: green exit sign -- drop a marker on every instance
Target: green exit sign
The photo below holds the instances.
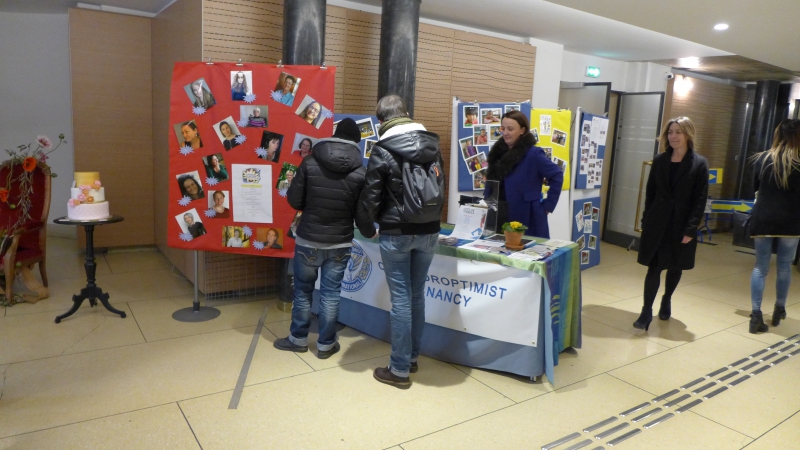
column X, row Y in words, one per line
column 592, row 72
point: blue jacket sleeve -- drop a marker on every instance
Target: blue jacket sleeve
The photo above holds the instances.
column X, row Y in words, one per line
column 555, row 178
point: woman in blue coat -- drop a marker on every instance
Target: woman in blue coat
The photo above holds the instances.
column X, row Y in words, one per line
column 522, row 168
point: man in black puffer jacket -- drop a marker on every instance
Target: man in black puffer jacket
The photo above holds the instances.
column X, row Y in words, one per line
column 407, row 246
column 326, row 188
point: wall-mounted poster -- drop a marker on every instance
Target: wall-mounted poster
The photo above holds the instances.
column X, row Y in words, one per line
column 240, row 133
column 479, row 129
column 552, row 127
column 592, row 140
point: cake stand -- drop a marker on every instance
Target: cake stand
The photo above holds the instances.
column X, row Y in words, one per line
column 91, row 292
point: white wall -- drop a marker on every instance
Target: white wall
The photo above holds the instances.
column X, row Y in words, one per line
column 623, row 76
column 547, row 73
column 36, row 95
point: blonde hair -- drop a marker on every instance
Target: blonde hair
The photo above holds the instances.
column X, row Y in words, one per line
column 687, row 127
column 784, row 155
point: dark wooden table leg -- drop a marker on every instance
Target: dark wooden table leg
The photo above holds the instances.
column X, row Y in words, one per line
column 91, row 292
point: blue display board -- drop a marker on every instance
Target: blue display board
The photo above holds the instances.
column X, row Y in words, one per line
column 478, row 129
column 592, row 151
column 586, row 230
column 369, row 131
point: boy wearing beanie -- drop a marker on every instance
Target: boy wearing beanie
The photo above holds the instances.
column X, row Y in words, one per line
column 326, row 188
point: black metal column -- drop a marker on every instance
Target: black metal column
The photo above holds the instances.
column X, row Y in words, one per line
column 397, row 64
column 762, row 125
column 304, row 32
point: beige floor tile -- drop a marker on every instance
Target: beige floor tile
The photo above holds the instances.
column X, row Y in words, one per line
column 156, row 322
column 604, row 348
column 538, row 421
column 592, row 298
column 136, row 286
column 71, row 265
column 624, row 280
column 693, row 317
column 613, row 255
column 355, row 346
column 159, row 427
column 685, row 431
column 515, row 387
column 720, row 264
column 35, row 336
column 59, row 301
column 758, row 404
column 783, row 436
column 668, row 370
column 343, row 407
column 136, row 260
column 62, row 246
column 788, row 327
column 735, row 290
column 67, row 389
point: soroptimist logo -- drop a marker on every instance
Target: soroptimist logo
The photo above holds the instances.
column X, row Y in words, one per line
column 358, row 269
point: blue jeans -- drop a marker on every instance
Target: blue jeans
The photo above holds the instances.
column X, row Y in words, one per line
column 786, row 251
column 406, row 260
column 307, row 261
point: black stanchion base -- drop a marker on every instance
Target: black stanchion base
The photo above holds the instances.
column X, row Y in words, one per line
column 204, row 314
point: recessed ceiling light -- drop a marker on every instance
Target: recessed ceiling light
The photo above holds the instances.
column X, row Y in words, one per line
column 721, row 26
column 691, row 62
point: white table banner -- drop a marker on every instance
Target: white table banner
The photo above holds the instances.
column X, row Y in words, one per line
column 488, row 300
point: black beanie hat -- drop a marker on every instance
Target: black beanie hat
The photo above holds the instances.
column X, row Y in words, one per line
column 348, row 130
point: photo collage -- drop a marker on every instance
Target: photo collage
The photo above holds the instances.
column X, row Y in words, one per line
column 586, row 230
column 483, row 128
column 368, row 126
column 551, row 130
column 592, row 151
column 231, row 156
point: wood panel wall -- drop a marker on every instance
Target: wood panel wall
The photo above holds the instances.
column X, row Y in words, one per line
column 113, row 116
column 176, row 37
column 449, row 62
column 718, row 112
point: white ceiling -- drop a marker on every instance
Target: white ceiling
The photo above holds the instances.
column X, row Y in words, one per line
column 627, row 30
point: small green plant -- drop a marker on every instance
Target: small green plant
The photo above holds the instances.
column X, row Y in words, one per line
column 516, row 227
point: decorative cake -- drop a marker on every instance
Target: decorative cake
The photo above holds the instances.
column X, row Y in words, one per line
column 88, row 198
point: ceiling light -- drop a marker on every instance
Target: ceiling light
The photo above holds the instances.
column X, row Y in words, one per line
column 691, row 62
column 721, row 26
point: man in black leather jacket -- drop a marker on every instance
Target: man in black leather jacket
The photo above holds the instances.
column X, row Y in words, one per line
column 407, row 248
column 326, row 188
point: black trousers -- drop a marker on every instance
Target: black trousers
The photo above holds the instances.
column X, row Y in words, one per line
column 652, row 281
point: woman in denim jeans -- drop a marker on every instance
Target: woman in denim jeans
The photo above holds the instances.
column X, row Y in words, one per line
column 775, row 220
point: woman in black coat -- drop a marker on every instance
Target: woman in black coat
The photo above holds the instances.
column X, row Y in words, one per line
column 775, row 218
column 674, row 204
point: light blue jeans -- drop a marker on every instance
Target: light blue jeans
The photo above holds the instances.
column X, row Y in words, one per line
column 406, row 260
column 786, row 251
column 307, row 262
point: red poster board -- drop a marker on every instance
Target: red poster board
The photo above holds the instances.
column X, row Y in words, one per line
column 235, row 136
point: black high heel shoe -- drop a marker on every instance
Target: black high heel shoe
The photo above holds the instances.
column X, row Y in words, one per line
column 757, row 324
column 778, row 314
column 665, row 312
column 643, row 322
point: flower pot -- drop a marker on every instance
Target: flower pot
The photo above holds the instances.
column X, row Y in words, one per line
column 513, row 240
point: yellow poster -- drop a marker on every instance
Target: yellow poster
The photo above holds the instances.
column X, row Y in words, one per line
column 551, row 128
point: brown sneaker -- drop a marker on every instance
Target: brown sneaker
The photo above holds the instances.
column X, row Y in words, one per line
column 384, row 375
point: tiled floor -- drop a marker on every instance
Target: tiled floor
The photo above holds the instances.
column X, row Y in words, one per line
column 148, row 382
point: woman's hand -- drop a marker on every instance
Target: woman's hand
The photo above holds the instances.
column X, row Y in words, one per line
column 686, row 240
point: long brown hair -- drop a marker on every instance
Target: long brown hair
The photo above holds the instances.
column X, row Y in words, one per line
column 785, row 152
column 687, row 128
column 522, row 120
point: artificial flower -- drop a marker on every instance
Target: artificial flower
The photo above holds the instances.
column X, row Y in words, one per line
column 81, row 198
column 90, row 199
column 29, row 164
column 85, row 187
column 44, row 141
column 71, row 202
column 96, row 184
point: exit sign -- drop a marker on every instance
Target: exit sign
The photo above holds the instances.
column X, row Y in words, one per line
column 592, row 72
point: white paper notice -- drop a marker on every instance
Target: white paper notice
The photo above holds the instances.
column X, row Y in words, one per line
column 470, row 222
column 252, row 193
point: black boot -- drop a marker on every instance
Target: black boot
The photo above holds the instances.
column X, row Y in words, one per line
column 757, row 324
column 643, row 322
column 778, row 314
column 665, row 312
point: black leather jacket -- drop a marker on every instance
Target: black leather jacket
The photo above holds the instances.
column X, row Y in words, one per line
column 326, row 188
column 384, row 173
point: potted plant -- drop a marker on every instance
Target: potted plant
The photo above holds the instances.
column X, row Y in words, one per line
column 514, row 232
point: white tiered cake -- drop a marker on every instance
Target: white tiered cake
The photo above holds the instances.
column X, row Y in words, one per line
column 88, row 198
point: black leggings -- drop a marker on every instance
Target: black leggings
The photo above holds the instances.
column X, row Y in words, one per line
column 652, row 281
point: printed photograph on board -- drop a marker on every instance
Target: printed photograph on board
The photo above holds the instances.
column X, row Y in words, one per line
column 548, row 151
column 468, row 150
column 271, row 237
column 200, row 94
column 286, row 176
column 190, row 223
column 595, row 214
column 287, row 86
column 470, row 116
column 190, row 185
column 272, row 143
column 474, row 164
column 311, row 111
column 366, row 128
column 592, row 242
column 581, row 242
column 479, row 180
column 585, row 257
column 233, row 236
column 559, row 137
column 227, row 132
column 545, row 124
column 587, row 209
column 481, row 134
column 188, row 134
column 256, row 115
column 368, row 148
column 241, row 84
column 495, row 133
column 215, row 167
column 490, row 115
column 561, row 164
column 511, row 108
column 303, row 144
column 220, row 202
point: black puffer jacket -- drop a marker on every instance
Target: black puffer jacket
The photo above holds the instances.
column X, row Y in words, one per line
column 777, row 210
column 326, row 188
column 384, row 173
